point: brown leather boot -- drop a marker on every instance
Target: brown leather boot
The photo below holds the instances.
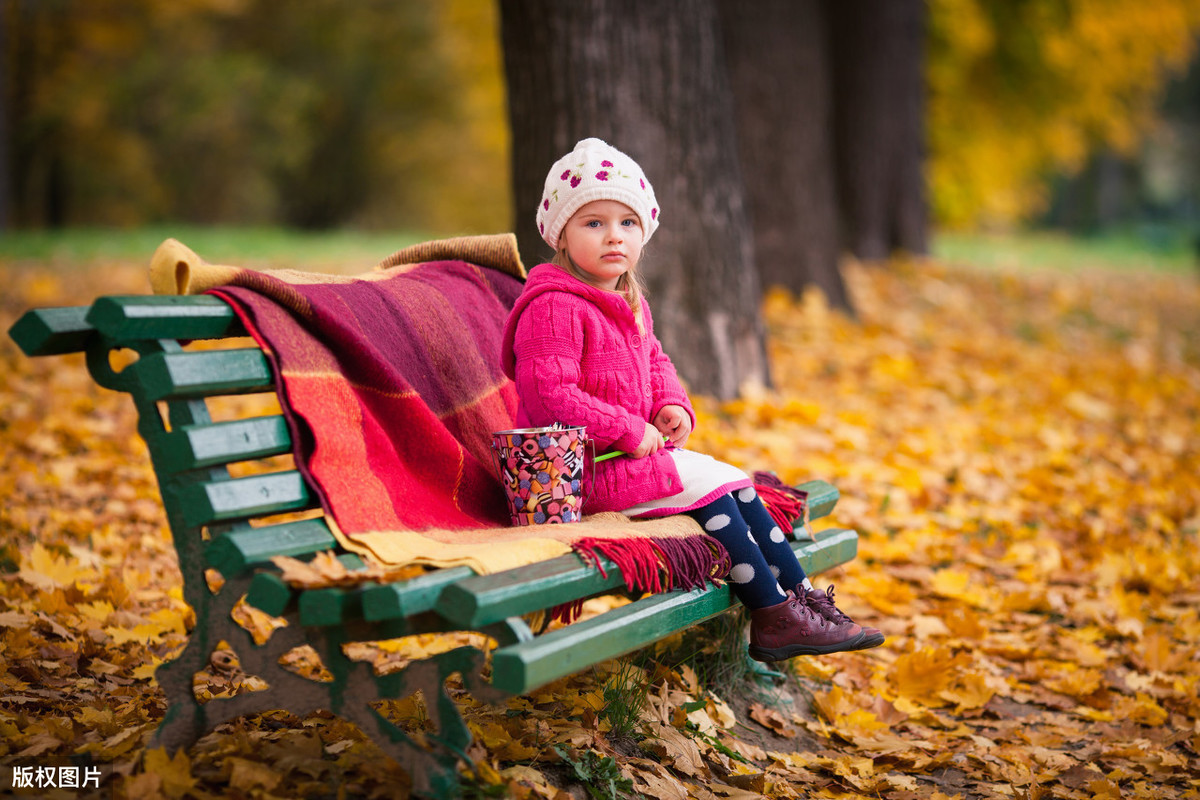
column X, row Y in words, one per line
column 791, row 628
column 822, row 603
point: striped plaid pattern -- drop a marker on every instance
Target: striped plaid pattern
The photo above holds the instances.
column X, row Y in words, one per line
column 392, row 387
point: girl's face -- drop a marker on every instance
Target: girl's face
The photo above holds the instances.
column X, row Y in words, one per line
column 604, row 239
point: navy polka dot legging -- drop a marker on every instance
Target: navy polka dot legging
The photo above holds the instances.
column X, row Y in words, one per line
column 763, row 562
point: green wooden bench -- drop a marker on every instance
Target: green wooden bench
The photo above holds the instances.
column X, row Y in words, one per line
column 222, row 523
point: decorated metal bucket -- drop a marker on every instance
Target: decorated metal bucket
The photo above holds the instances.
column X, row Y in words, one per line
column 542, row 473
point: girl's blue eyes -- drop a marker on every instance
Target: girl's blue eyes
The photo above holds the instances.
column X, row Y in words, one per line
column 595, row 223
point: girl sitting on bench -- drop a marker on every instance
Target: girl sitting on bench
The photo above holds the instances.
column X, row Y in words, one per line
column 580, row 346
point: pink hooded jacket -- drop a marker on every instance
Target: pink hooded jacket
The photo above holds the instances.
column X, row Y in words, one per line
column 577, row 358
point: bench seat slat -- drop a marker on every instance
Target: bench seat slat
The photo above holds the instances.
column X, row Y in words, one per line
column 414, row 596
column 483, row 599
column 526, row 666
column 328, row 607
column 52, row 331
column 185, row 376
column 238, row 551
column 203, row 503
column 164, row 317
column 199, row 446
column 270, row 593
column 523, row 667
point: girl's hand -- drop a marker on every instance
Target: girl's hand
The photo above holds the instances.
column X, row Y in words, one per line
column 674, row 423
column 652, row 440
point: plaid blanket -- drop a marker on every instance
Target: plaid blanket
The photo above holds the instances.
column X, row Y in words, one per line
column 391, row 389
column 391, row 384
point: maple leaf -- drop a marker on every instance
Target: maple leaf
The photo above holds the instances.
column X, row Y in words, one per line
column 654, row 780
column 175, row 771
column 675, row 749
column 922, row 676
column 46, row 570
column 771, row 719
column 248, row 775
column 14, row 619
column 969, row 690
column 527, row 777
column 1141, row 709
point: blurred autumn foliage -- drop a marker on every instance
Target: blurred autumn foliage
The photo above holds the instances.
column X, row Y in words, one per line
column 1019, row 91
column 1020, row 452
column 313, row 115
column 392, row 114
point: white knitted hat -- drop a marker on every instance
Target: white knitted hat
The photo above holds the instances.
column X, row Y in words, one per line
column 594, row 170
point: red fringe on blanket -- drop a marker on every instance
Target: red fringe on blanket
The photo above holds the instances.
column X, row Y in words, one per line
column 652, row 564
column 786, row 504
column 657, row 565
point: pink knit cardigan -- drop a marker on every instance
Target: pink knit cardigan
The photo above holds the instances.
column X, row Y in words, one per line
column 577, row 358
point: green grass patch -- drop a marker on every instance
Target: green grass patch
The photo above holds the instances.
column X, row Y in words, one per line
column 625, row 693
column 251, row 247
column 1149, row 248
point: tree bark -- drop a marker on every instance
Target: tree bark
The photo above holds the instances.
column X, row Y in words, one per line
column 779, row 69
column 650, row 79
column 878, row 123
column 39, row 182
column 6, row 49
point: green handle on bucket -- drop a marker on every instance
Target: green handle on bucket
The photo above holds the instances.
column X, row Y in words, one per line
column 614, row 454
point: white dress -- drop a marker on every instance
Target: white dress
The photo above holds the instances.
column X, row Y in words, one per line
column 704, row 480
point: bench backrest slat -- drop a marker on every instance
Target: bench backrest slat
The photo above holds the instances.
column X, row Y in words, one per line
column 180, row 376
column 206, row 502
column 52, row 331
column 164, row 317
column 200, row 446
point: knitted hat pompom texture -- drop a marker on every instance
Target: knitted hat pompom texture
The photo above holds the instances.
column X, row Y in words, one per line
column 594, row 170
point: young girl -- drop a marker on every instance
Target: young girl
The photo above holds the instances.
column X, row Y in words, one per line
column 580, row 345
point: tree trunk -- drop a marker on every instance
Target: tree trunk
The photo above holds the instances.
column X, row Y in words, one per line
column 38, row 179
column 878, row 108
column 779, row 70
column 650, row 79
column 5, row 124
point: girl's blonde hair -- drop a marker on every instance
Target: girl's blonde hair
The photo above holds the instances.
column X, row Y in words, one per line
column 629, row 285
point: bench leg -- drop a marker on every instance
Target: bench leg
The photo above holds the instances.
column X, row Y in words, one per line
column 352, row 695
column 186, row 718
column 434, row 772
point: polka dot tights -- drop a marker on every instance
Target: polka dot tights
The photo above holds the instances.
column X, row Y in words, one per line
column 763, row 562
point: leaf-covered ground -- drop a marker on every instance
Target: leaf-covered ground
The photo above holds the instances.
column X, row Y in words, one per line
column 1020, row 452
